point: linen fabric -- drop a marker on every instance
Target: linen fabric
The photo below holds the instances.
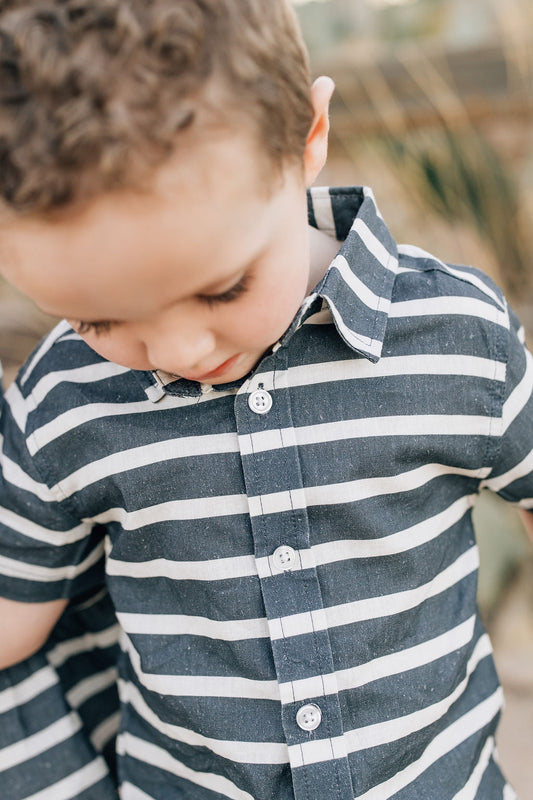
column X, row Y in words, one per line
column 295, row 584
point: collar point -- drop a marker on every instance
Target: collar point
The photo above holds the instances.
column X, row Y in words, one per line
column 155, row 392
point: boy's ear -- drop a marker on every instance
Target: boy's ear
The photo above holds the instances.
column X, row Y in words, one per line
column 316, row 148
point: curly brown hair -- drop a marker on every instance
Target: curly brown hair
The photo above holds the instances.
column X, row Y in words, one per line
column 93, row 93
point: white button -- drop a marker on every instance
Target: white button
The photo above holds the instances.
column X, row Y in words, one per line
column 260, row 401
column 284, row 557
column 309, row 717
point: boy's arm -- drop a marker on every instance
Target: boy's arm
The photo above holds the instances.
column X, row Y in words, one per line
column 48, row 554
column 512, row 469
column 25, row 627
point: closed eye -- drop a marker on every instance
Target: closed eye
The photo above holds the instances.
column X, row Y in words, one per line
column 101, row 327
column 228, row 296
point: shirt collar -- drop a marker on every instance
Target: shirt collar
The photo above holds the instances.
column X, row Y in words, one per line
column 357, row 287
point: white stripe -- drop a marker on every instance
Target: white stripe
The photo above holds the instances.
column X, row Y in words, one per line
column 35, row 572
column 315, row 751
column 233, row 630
column 520, row 470
column 378, row 668
column 298, row 376
column 69, row 336
column 354, row 491
column 442, row 306
column 389, row 366
column 219, row 569
column 469, row 790
column 509, row 793
column 72, row 419
column 71, row 787
column 39, row 742
column 360, row 289
column 155, row 756
column 130, row 792
column 16, row 476
column 41, row 534
column 467, row 277
column 90, row 687
column 369, row 194
column 195, row 508
column 81, row 644
column 422, row 532
column 520, row 395
column 17, row 406
column 371, row 427
column 75, row 417
column 47, row 343
column 146, row 455
column 442, row 744
column 374, row 246
column 374, row 607
column 526, row 504
column 201, row 685
column 241, row 752
column 27, row 689
column 392, row 730
column 88, row 374
column 105, row 731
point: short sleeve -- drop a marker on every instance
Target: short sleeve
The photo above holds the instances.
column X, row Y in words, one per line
column 512, row 471
column 46, row 552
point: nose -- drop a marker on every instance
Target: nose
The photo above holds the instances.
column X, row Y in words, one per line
column 180, row 352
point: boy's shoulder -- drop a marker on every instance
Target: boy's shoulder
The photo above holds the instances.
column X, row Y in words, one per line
column 457, row 305
column 421, row 273
column 63, row 374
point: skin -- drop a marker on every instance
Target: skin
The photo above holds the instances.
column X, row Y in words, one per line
column 527, row 519
column 184, row 277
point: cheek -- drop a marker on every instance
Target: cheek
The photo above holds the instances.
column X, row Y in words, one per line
column 268, row 314
column 118, row 349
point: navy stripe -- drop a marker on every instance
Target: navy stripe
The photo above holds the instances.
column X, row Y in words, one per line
column 401, row 389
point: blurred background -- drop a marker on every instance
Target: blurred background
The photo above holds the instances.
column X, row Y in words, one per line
column 434, row 110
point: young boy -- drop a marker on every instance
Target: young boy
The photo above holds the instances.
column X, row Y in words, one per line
column 277, row 442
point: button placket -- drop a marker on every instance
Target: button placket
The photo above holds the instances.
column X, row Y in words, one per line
column 280, row 528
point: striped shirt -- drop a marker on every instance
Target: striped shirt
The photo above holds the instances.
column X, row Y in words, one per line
column 291, row 557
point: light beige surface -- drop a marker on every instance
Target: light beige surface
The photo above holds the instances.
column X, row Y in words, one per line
column 512, row 637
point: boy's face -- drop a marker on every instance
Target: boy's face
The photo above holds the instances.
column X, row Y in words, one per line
column 198, row 277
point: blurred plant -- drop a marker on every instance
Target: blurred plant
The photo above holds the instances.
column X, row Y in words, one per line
column 21, row 328
column 462, row 178
column 445, row 161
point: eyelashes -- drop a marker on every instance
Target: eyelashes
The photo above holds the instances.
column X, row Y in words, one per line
column 98, row 328
column 101, row 327
column 229, row 296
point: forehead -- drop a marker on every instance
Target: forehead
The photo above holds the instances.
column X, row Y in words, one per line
column 207, row 212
